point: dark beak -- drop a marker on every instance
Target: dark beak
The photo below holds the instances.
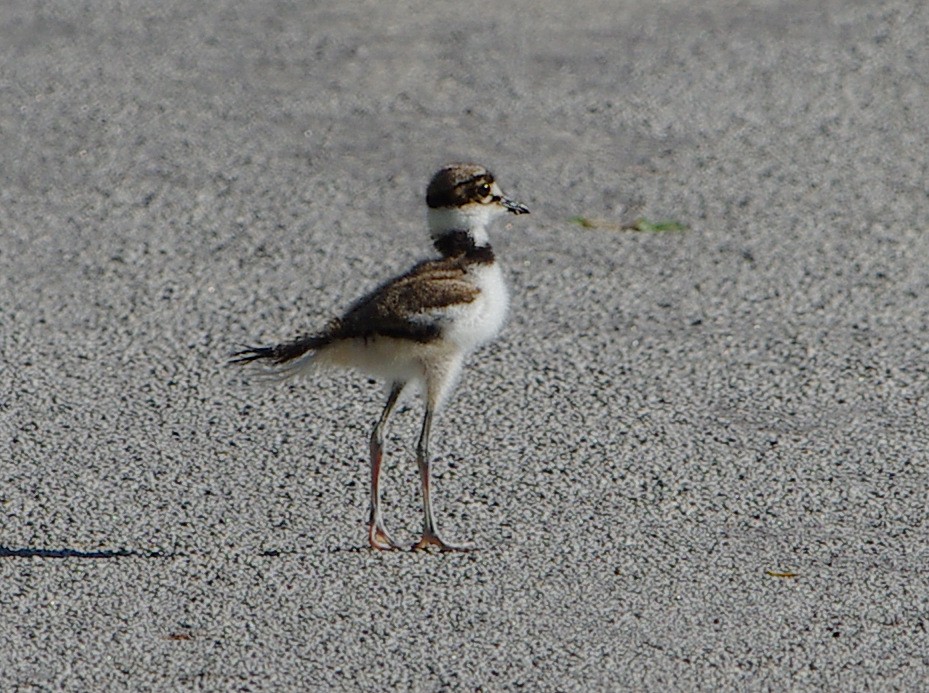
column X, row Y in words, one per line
column 514, row 206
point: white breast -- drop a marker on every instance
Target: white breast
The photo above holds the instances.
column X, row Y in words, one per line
column 479, row 321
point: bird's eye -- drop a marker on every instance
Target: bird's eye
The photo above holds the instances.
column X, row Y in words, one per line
column 484, row 189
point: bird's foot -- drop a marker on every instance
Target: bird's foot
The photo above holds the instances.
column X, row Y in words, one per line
column 433, row 540
column 380, row 539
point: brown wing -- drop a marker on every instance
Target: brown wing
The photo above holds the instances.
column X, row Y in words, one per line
column 410, row 306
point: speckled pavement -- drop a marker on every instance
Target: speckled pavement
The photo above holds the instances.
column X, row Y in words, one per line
column 694, row 460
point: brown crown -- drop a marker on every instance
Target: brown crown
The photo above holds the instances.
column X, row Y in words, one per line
column 457, row 185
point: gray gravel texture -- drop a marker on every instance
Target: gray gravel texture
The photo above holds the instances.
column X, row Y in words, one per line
column 694, row 460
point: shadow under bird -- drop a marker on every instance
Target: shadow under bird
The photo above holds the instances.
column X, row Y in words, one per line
column 415, row 330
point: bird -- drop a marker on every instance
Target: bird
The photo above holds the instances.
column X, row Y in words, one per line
column 415, row 330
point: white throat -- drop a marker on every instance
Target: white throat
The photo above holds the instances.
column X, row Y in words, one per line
column 473, row 218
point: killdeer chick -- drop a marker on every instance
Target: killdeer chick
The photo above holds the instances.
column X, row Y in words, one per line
column 415, row 330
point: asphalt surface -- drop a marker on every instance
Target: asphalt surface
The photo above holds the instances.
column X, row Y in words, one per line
column 694, row 460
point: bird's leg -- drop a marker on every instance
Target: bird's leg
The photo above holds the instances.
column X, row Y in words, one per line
column 377, row 533
column 430, row 534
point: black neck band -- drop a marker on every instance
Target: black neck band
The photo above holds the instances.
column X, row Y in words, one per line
column 461, row 243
